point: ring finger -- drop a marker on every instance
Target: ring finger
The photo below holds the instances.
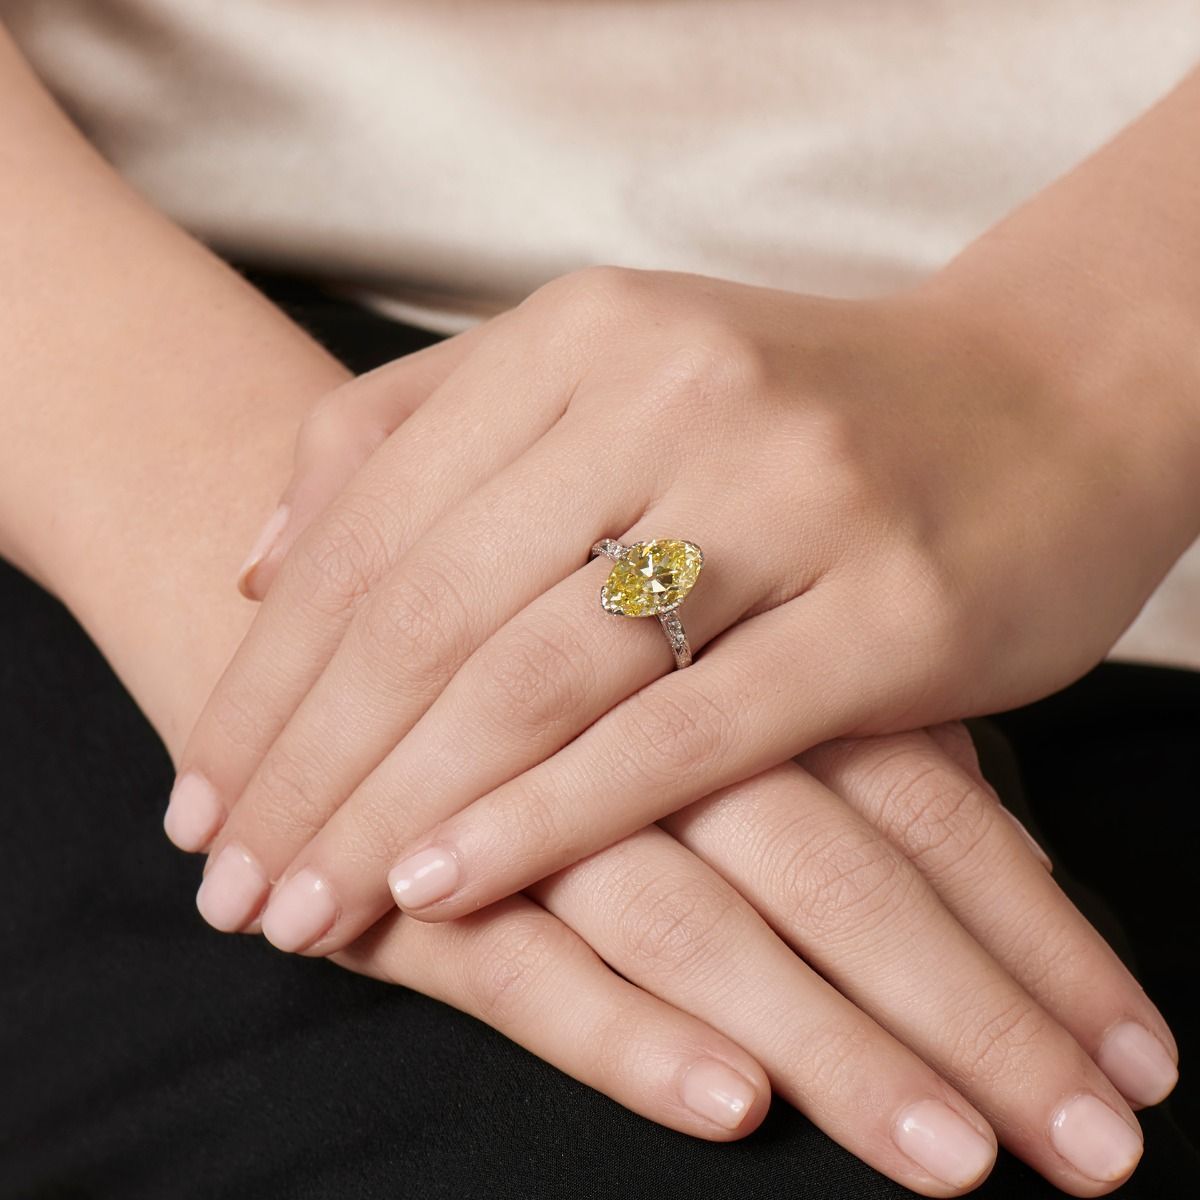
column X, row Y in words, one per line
column 391, row 689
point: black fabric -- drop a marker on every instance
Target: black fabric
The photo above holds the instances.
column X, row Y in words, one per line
column 144, row 1055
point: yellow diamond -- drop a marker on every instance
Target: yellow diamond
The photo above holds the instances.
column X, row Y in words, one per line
column 653, row 577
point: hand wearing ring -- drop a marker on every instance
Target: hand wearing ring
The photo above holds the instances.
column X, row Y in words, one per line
column 430, row 692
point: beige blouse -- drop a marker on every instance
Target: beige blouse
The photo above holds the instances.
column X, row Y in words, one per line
column 444, row 157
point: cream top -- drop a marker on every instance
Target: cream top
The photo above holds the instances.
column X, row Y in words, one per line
column 453, row 154
column 444, row 157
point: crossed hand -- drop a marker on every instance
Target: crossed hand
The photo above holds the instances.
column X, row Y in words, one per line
column 775, row 869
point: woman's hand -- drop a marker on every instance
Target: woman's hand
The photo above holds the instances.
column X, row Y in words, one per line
column 957, row 987
column 837, row 891
column 900, row 524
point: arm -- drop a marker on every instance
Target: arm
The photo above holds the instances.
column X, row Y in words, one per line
column 144, row 388
column 1093, row 287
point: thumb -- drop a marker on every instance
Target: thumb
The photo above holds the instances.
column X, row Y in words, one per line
column 338, row 435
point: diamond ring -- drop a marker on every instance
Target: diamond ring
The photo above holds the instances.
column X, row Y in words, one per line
column 651, row 579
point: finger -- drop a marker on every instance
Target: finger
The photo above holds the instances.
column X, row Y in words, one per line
column 338, row 435
column 527, row 975
column 856, row 909
column 525, row 692
column 954, row 830
column 433, row 459
column 670, row 925
column 446, row 595
column 953, row 738
column 681, row 736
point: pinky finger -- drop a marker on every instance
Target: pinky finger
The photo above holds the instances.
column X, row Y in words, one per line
column 522, row 971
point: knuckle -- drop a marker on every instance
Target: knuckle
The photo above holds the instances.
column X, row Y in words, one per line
column 934, row 813
column 408, row 625
column 241, row 718
column 838, row 880
column 600, row 284
column 325, row 424
column 535, row 824
column 671, row 923
column 618, row 1042
column 507, row 965
column 989, row 1046
column 339, row 424
column 841, row 762
column 370, row 831
column 930, row 610
column 830, row 1055
column 714, row 361
column 283, row 798
column 675, row 736
column 335, row 563
column 537, row 679
column 593, row 300
column 831, row 435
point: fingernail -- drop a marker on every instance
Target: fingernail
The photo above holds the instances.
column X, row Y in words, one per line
column 1137, row 1062
column 232, row 891
column 939, row 1141
column 717, row 1093
column 1094, row 1140
column 299, row 912
column 1039, row 853
column 194, row 814
column 267, row 538
column 423, row 877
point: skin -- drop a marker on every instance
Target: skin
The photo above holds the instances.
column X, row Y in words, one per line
column 937, row 504
column 168, row 398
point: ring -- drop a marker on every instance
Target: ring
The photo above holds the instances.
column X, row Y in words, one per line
column 651, row 579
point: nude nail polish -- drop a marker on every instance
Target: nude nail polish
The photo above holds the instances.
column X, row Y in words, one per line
column 1094, row 1139
column 266, row 539
column 941, row 1142
column 1137, row 1062
column 232, row 891
column 424, row 878
column 194, row 813
column 717, row 1093
column 299, row 912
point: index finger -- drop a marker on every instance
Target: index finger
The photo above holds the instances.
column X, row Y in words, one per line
column 434, row 459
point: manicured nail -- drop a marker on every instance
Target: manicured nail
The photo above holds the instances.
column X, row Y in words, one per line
column 299, row 912
column 424, row 877
column 717, row 1093
column 939, row 1141
column 1137, row 1062
column 1094, row 1140
column 267, row 538
column 1039, row 853
column 232, row 891
column 194, row 814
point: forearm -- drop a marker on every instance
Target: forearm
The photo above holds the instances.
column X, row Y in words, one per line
column 148, row 405
column 1095, row 286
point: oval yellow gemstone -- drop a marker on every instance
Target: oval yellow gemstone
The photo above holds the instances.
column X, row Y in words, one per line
column 653, row 577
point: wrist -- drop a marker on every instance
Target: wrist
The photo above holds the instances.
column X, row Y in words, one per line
column 1114, row 382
